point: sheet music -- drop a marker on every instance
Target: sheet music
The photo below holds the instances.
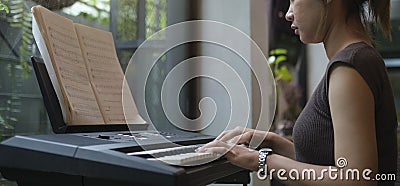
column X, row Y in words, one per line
column 105, row 74
column 49, row 67
column 64, row 50
column 131, row 112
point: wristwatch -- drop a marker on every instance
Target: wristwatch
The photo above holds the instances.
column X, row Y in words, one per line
column 262, row 163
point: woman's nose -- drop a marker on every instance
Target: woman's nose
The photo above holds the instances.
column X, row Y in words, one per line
column 289, row 15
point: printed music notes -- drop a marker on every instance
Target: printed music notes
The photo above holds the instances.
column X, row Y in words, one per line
column 85, row 64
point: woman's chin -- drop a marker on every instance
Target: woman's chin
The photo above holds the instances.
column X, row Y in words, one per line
column 307, row 40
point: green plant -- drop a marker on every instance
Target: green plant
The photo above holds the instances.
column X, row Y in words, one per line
column 4, row 7
column 4, row 126
column 286, row 89
column 281, row 72
column 20, row 17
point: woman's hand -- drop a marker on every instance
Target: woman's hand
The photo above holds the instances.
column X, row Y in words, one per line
column 238, row 155
column 243, row 136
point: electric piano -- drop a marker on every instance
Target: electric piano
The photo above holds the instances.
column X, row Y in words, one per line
column 108, row 158
column 108, row 155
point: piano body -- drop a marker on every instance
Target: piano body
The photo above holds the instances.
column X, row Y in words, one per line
column 101, row 159
column 105, row 155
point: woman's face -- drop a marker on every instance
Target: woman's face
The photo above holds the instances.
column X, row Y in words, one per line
column 307, row 17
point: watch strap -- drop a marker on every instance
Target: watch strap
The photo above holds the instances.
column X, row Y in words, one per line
column 262, row 163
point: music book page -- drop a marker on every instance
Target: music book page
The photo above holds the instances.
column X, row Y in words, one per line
column 66, row 57
column 84, row 61
column 104, row 72
column 49, row 67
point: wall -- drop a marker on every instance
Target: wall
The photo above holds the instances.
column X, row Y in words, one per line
column 317, row 61
column 250, row 17
column 237, row 14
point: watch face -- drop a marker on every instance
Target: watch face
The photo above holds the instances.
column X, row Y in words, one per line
column 265, row 150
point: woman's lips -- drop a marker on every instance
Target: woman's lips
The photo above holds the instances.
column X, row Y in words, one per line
column 295, row 28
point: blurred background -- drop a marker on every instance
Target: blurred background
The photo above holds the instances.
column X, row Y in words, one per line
column 297, row 67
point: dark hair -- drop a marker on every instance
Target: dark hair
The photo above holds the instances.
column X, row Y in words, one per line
column 378, row 11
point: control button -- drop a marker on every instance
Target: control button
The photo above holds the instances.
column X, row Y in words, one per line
column 103, row 137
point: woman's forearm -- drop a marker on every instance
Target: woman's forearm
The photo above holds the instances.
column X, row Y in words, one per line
column 281, row 145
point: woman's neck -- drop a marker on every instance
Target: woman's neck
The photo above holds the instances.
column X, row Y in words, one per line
column 342, row 34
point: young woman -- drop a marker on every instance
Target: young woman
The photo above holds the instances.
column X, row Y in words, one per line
column 350, row 123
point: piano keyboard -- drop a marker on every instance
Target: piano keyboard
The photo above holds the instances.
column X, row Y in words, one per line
column 181, row 156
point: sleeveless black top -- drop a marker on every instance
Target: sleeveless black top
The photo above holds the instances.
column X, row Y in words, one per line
column 313, row 132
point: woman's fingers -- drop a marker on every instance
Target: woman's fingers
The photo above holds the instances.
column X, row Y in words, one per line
column 242, row 138
column 222, row 134
column 216, row 150
column 213, row 144
column 236, row 154
column 219, row 147
column 228, row 135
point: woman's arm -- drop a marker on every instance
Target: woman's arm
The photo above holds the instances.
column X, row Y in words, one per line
column 353, row 116
column 352, row 111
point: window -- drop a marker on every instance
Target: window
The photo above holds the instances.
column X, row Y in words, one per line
column 131, row 26
column 21, row 107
